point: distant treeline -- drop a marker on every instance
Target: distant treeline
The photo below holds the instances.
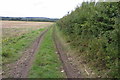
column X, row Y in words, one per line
column 41, row 19
column 93, row 29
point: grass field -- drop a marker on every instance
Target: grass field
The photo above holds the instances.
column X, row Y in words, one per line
column 47, row 63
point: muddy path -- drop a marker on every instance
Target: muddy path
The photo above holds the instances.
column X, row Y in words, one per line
column 70, row 70
column 21, row 67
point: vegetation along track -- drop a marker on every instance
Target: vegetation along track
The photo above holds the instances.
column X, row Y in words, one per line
column 20, row 68
column 69, row 69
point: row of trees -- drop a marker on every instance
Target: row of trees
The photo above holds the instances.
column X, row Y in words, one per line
column 41, row 19
column 93, row 29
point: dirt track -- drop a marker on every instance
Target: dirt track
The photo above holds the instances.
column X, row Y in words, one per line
column 20, row 68
column 70, row 70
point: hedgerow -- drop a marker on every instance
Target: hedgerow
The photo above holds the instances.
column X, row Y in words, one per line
column 93, row 29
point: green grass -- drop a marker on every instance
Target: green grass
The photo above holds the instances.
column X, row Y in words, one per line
column 13, row 47
column 47, row 63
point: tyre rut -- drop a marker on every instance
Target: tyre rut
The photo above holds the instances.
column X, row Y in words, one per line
column 69, row 69
column 21, row 67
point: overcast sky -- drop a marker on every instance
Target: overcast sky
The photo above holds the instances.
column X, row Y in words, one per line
column 37, row 8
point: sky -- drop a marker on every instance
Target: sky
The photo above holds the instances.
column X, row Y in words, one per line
column 37, row 8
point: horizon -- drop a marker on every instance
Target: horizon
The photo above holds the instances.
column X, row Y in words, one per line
column 29, row 17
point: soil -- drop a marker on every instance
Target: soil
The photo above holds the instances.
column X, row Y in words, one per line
column 21, row 67
column 70, row 70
